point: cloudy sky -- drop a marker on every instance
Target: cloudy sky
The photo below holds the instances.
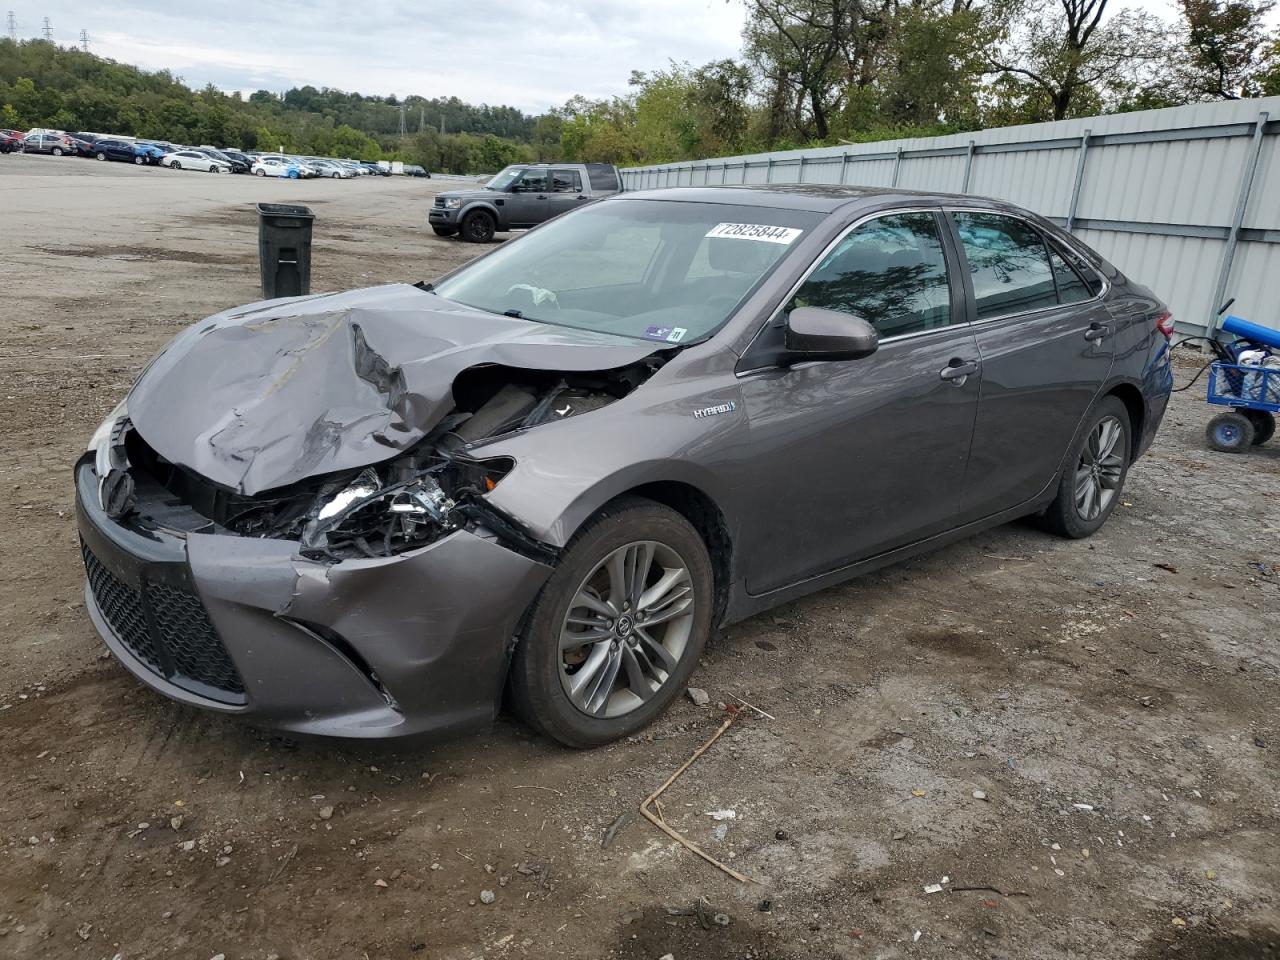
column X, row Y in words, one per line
column 531, row 54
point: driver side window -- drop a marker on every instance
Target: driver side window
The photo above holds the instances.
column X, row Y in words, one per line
column 891, row 271
column 533, row 181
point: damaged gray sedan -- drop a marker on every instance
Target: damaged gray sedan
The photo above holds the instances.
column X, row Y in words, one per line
column 556, row 471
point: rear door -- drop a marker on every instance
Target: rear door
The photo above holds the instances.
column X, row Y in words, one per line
column 1046, row 345
column 853, row 458
column 567, row 192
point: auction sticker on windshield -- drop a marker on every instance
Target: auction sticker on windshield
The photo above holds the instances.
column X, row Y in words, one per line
column 754, row 231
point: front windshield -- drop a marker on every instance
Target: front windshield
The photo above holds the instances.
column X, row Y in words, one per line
column 649, row 269
column 504, row 179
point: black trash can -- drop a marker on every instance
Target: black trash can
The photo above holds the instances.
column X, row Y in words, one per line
column 284, row 249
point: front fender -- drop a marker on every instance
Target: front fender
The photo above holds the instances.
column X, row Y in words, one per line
column 488, row 207
column 566, row 471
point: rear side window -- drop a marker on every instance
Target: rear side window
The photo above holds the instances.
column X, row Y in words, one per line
column 1071, row 286
column 1008, row 263
column 890, row 271
column 566, row 181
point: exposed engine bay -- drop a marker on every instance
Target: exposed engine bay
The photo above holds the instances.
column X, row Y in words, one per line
column 436, row 486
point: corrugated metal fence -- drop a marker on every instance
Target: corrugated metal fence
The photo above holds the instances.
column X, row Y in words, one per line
column 1186, row 200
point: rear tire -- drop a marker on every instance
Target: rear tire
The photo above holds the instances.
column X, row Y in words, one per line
column 543, row 669
column 139, row 160
column 478, row 227
column 175, row 165
column 1264, row 425
column 1094, row 476
column 1230, row 432
column 444, row 231
column 56, row 151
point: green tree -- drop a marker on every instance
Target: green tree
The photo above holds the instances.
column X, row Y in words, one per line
column 1230, row 50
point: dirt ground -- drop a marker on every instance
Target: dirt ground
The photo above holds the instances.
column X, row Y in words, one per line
column 1114, row 700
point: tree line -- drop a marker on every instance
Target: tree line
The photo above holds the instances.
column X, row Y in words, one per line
column 811, row 72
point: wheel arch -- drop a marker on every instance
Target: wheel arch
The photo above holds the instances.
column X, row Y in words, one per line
column 1131, row 397
column 479, row 205
column 706, row 517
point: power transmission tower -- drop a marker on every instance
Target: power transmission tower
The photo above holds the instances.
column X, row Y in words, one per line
column 13, row 27
column 84, row 40
column 402, row 127
column 48, row 30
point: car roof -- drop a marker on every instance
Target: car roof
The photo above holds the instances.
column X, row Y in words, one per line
column 817, row 197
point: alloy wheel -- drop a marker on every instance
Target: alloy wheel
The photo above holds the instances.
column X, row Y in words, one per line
column 626, row 629
column 1100, row 468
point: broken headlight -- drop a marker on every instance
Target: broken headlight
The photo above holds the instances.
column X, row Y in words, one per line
column 373, row 519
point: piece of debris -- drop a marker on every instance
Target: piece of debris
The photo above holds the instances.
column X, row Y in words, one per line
column 380, row 882
column 989, row 932
column 188, row 846
column 632, row 916
column 325, row 812
column 1083, row 806
column 699, row 696
column 1166, row 566
column 899, row 835
column 933, row 888
column 781, row 835
column 721, row 831
column 84, row 930
column 765, row 905
column 487, row 896
column 916, row 937
column 723, row 814
column 657, row 820
column 979, row 795
column 919, row 793
column 175, row 823
column 612, row 830
column 1178, row 922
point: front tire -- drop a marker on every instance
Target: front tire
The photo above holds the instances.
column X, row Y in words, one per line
column 1230, row 432
column 1095, row 473
column 259, row 173
column 175, row 165
column 618, row 629
column 478, row 227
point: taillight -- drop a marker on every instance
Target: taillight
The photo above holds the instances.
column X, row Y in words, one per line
column 1164, row 323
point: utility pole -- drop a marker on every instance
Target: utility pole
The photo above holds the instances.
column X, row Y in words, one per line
column 402, row 127
column 84, row 40
column 48, row 31
column 422, row 115
column 13, row 27
column 442, row 121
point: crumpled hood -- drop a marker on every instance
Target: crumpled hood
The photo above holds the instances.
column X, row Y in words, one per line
column 271, row 393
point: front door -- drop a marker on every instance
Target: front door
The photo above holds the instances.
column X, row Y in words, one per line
column 1044, row 338
column 526, row 200
column 864, row 455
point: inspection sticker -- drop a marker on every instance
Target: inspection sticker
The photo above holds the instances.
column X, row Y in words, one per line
column 669, row 334
column 754, row 231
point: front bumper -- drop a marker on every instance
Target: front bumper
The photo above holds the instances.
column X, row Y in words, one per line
column 443, row 217
column 410, row 644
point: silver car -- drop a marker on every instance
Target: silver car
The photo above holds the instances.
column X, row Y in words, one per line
column 556, row 471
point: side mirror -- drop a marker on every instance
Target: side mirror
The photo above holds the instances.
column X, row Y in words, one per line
column 814, row 333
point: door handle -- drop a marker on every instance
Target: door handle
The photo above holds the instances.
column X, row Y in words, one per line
column 1097, row 331
column 958, row 371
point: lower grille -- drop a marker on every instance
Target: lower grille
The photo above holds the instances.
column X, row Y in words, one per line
column 166, row 628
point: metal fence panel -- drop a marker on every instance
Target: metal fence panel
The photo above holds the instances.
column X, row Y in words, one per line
column 1185, row 199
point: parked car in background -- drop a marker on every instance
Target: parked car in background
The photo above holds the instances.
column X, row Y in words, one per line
column 522, row 195
column 373, row 168
column 237, row 166
column 238, row 158
column 194, row 160
column 106, row 148
column 148, row 153
column 413, row 170
column 80, row 146
column 10, row 141
column 56, row 144
column 276, row 167
column 330, row 168
column 557, row 489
